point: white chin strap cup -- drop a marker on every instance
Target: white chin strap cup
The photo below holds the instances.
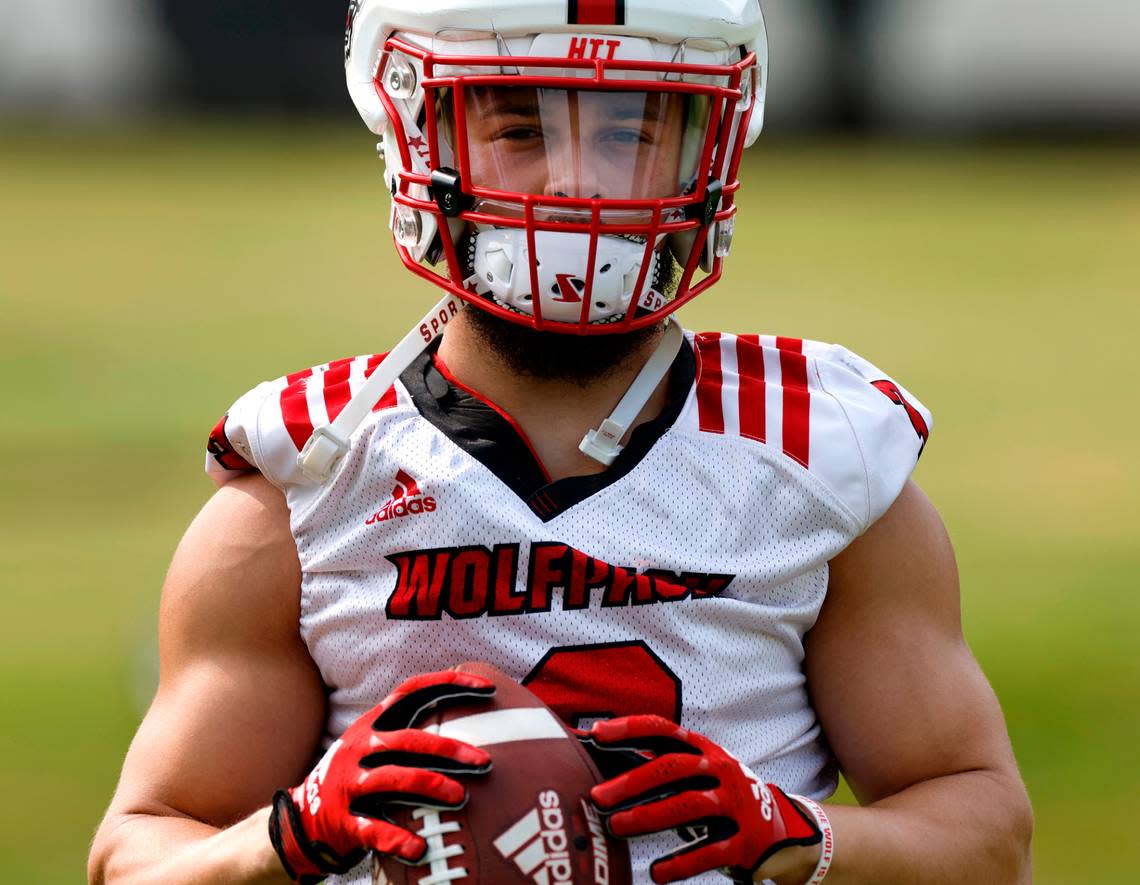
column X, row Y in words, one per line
column 604, row 444
column 502, row 262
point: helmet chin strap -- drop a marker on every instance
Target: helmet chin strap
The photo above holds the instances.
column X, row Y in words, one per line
column 604, row 444
column 329, row 442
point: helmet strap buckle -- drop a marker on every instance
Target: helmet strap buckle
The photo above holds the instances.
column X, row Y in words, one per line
column 447, row 189
column 706, row 211
column 604, row 444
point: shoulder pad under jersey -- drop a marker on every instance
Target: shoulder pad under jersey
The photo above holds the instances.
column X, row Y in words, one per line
column 855, row 430
column 888, row 426
column 266, row 428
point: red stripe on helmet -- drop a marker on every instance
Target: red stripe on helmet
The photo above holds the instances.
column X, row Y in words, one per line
column 595, row 12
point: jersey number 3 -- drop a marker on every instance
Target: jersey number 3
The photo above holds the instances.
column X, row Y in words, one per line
column 584, row 683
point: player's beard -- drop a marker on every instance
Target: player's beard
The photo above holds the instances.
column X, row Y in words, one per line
column 551, row 356
column 574, row 359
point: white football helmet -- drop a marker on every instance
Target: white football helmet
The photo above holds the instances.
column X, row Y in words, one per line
column 549, row 159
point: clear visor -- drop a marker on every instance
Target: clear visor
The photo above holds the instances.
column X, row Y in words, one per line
column 577, row 143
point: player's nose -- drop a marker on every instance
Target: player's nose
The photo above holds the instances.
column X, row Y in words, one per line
column 573, row 173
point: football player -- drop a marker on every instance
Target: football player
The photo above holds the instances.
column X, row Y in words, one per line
column 704, row 548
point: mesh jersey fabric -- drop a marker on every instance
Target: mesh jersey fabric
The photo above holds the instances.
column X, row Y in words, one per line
column 685, row 586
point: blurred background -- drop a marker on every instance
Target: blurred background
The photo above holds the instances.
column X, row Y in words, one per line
column 949, row 187
column 917, row 66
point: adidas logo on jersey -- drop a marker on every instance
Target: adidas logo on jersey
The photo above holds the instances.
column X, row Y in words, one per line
column 406, row 500
column 538, row 844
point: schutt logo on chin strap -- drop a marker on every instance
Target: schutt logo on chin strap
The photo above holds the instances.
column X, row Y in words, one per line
column 406, row 500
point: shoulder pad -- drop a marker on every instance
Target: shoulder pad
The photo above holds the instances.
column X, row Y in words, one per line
column 266, row 428
column 855, row 430
column 887, row 425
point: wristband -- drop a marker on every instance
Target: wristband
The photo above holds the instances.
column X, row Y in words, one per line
column 827, row 846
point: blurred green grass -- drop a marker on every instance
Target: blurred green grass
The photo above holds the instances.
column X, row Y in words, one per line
column 148, row 276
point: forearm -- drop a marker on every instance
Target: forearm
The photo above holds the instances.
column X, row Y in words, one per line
column 963, row 828
column 151, row 849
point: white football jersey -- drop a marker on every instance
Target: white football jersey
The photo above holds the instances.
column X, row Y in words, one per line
column 680, row 582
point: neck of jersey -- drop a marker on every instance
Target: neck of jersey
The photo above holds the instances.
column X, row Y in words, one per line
column 489, row 435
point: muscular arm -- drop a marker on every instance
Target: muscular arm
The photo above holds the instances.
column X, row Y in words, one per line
column 238, row 713
column 917, row 730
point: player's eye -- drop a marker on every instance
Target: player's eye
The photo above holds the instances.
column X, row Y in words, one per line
column 519, row 133
column 627, row 136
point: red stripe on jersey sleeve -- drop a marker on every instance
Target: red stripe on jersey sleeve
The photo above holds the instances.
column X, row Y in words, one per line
column 295, row 408
column 797, row 399
column 710, row 379
column 753, row 390
column 337, row 388
column 388, row 400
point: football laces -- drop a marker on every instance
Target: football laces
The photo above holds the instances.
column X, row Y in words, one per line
column 439, row 852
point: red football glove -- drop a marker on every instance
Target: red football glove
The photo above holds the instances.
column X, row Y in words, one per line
column 326, row 824
column 686, row 781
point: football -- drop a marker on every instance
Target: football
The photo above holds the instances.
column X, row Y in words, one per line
column 529, row 820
